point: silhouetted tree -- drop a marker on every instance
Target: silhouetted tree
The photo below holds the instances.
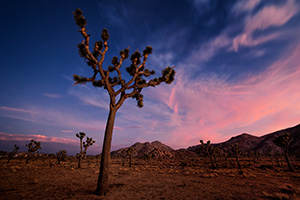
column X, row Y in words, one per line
column 101, row 78
column 83, row 146
column 32, row 146
column 130, row 152
column 13, row 153
column 146, row 157
column 235, row 152
column 283, row 142
column 208, row 151
column 61, row 156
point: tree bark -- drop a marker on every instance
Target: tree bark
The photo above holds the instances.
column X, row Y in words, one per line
column 238, row 162
column 102, row 185
column 288, row 160
column 213, row 166
column 130, row 160
column 80, row 155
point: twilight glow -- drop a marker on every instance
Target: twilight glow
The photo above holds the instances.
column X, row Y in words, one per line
column 237, row 66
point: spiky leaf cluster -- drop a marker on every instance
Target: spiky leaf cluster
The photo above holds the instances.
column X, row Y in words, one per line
column 81, row 50
column 88, row 142
column 98, row 46
column 105, row 35
column 80, row 135
column 99, row 83
column 136, row 58
column 124, row 53
column 80, row 79
column 130, row 150
column 283, row 141
column 148, row 50
column 140, row 100
column 61, row 155
column 207, row 149
column 168, row 75
column 33, row 146
column 79, row 18
column 235, row 149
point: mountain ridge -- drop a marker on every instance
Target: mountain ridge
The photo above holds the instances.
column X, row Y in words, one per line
column 263, row 144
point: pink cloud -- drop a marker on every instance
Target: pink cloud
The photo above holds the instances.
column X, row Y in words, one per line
column 269, row 16
column 16, row 110
column 39, row 138
column 212, row 109
column 67, row 131
column 242, row 6
column 52, row 95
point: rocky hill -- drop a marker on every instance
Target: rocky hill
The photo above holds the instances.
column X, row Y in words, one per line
column 154, row 149
column 263, row 144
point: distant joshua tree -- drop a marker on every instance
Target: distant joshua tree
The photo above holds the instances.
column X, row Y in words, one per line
column 13, row 153
column 124, row 90
column 61, row 156
column 33, row 146
column 283, row 142
column 123, row 154
column 208, row 151
column 235, row 152
column 85, row 145
column 146, row 158
column 130, row 152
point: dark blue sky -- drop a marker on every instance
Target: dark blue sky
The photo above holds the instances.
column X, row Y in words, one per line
column 237, row 66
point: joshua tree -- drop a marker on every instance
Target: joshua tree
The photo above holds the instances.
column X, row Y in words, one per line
column 32, row 146
column 102, row 78
column 61, row 156
column 86, row 144
column 235, row 151
column 146, row 158
column 209, row 151
column 123, row 154
column 13, row 153
column 283, row 142
column 130, row 152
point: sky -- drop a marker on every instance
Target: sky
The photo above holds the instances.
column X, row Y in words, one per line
column 237, row 71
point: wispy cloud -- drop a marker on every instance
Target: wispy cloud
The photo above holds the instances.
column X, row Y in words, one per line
column 211, row 108
column 58, row 118
column 16, row 110
column 242, row 6
column 67, row 131
column 40, row 138
column 269, row 16
column 55, row 96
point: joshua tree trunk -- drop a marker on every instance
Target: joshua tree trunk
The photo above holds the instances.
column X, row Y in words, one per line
column 238, row 162
column 102, row 185
column 130, row 160
column 28, row 157
column 213, row 166
column 80, row 156
column 288, row 160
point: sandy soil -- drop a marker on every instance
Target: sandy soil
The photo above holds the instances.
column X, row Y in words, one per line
column 157, row 180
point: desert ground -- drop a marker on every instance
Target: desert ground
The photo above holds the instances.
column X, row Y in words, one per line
column 152, row 179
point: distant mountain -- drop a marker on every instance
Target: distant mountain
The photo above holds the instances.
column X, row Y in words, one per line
column 154, row 149
column 263, row 144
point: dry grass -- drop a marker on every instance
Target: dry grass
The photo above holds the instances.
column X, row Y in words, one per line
column 157, row 180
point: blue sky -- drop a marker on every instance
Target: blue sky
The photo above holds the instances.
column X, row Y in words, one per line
column 237, row 66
